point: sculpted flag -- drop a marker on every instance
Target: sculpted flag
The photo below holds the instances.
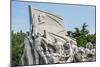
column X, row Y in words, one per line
column 45, row 22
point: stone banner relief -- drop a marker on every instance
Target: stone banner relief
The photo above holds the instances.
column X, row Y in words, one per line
column 47, row 42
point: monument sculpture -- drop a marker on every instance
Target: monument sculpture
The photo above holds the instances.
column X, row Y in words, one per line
column 48, row 43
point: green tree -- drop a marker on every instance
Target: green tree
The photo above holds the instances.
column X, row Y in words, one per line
column 81, row 41
column 16, row 40
column 91, row 38
column 77, row 33
column 82, row 35
column 69, row 33
column 84, row 29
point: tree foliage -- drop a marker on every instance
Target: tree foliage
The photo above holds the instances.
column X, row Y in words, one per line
column 82, row 35
column 16, row 41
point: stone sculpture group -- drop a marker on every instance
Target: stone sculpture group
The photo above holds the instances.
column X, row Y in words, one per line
column 48, row 43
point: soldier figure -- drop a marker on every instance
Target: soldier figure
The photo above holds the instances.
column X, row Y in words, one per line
column 39, row 48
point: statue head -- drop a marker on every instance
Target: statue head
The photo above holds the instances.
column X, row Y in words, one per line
column 41, row 18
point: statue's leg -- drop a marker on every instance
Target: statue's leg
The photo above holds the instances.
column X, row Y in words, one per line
column 23, row 58
column 43, row 56
column 70, row 59
column 28, row 52
column 36, row 57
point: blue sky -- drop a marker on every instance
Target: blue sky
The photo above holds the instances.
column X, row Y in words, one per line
column 73, row 15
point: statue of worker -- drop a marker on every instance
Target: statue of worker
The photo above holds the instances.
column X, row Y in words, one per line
column 39, row 47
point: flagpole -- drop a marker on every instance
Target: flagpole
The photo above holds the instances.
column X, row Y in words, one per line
column 30, row 19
